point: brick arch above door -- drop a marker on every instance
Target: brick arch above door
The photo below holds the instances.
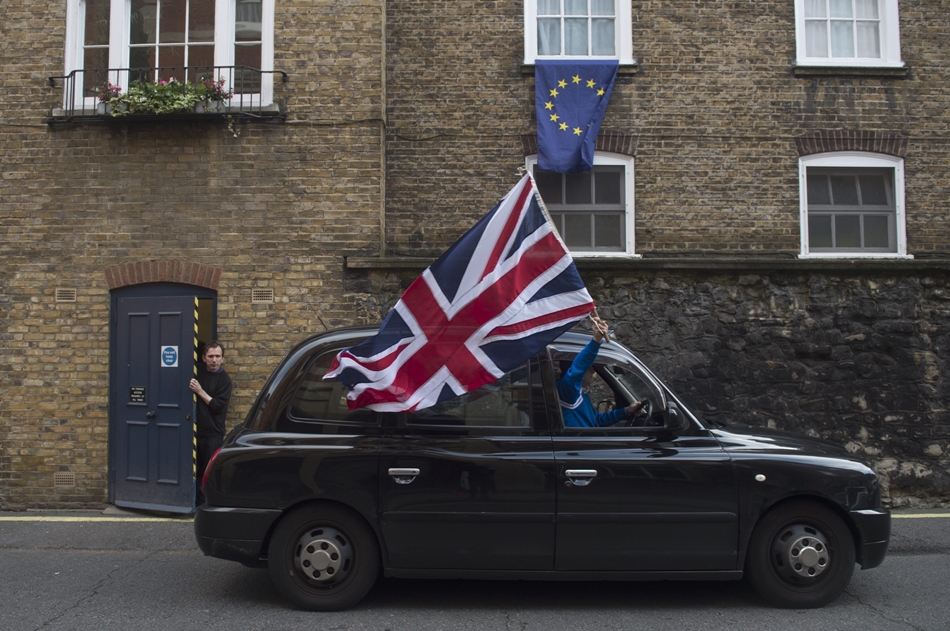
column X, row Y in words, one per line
column 184, row 272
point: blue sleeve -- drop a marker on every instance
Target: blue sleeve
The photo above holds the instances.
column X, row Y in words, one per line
column 569, row 385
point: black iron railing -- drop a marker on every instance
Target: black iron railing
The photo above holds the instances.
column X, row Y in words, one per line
column 102, row 94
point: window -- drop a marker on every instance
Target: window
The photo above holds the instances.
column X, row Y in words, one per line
column 848, row 33
column 592, row 211
column 507, row 402
column 852, row 205
column 319, row 400
column 181, row 39
column 578, row 29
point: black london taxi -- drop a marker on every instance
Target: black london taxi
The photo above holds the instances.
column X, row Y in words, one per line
column 492, row 485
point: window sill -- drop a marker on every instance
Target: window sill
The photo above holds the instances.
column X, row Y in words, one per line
column 626, row 68
column 806, row 70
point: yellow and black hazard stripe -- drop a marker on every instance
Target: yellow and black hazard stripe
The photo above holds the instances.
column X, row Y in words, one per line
column 194, row 399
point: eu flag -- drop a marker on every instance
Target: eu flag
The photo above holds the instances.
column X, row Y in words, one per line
column 570, row 100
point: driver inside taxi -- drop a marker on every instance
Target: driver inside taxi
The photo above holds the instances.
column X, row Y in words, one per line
column 572, row 387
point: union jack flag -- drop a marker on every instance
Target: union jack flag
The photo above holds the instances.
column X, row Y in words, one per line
column 498, row 296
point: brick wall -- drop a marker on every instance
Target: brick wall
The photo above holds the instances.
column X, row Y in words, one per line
column 271, row 205
column 715, row 110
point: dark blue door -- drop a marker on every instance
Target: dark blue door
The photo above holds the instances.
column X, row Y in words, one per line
column 152, row 423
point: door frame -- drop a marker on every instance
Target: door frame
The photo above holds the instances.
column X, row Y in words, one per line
column 148, row 290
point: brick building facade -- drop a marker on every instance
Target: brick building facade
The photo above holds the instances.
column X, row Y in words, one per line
column 399, row 124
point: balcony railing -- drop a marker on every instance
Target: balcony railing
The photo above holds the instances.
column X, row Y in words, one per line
column 83, row 99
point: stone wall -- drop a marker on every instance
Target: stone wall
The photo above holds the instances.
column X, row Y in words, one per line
column 858, row 358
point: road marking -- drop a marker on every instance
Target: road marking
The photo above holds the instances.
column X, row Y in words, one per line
column 91, row 519
column 920, row 516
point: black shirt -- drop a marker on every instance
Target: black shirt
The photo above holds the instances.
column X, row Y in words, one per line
column 211, row 416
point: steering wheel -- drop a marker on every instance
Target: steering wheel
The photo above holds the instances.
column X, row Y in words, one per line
column 640, row 418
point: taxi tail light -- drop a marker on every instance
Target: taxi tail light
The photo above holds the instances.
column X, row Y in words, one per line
column 204, row 476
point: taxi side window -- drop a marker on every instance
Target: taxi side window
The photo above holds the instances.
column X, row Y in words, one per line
column 507, row 402
column 319, row 400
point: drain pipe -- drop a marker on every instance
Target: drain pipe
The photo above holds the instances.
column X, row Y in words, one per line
column 382, row 132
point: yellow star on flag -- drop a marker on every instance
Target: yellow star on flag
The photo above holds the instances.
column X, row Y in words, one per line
column 563, row 126
column 562, row 83
column 600, row 92
column 554, row 117
column 554, row 92
column 576, row 79
column 591, row 83
column 549, row 105
column 577, row 131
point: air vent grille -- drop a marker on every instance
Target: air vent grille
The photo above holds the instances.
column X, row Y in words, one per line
column 65, row 295
column 262, row 296
column 64, row 479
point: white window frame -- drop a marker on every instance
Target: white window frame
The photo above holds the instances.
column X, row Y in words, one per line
column 119, row 46
column 603, row 158
column 624, row 35
column 854, row 160
column 890, row 41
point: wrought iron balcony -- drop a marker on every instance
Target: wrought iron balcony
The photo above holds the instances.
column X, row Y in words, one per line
column 166, row 93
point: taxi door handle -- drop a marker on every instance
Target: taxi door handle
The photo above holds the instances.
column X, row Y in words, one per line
column 580, row 477
column 403, row 475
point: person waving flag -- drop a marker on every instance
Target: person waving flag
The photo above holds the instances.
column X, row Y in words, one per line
column 498, row 296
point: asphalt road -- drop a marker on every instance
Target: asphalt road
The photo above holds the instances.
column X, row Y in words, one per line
column 97, row 572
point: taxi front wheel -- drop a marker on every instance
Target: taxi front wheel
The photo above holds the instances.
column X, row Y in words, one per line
column 323, row 558
column 801, row 555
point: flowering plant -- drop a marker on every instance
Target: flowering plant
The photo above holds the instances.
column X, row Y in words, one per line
column 214, row 90
column 108, row 92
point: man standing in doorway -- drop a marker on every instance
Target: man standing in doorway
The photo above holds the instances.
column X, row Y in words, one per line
column 213, row 391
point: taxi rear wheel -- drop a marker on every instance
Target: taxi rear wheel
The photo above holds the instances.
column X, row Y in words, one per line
column 323, row 558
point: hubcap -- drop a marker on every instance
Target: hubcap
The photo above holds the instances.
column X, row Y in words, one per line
column 323, row 555
column 801, row 551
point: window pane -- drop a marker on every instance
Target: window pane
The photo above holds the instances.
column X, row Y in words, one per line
column 247, row 55
column 171, row 22
column 575, row 37
column 549, row 186
column 608, row 231
column 201, row 20
column 841, row 8
column 816, row 39
column 842, row 39
column 847, row 231
column 142, row 58
column 575, row 7
column 819, row 231
column 866, row 9
column 578, row 188
column 247, row 26
column 868, row 40
column 577, row 229
column 171, row 59
column 602, row 7
column 818, row 189
column 843, row 190
column 549, row 37
column 549, row 7
column 97, row 24
column 203, row 58
column 94, row 59
column 816, row 8
column 607, row 187
column 602, row 37
column 873, row 190
column 142, row 22
column 876, row 232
